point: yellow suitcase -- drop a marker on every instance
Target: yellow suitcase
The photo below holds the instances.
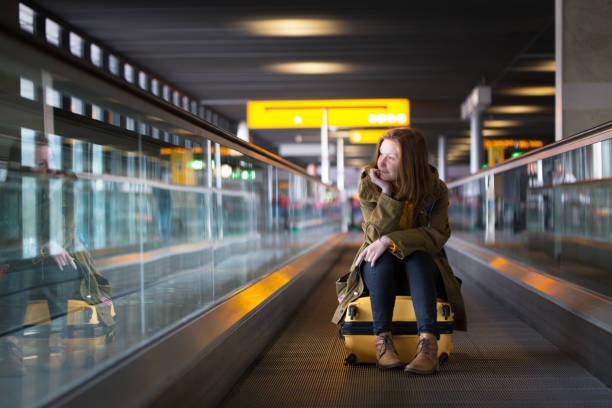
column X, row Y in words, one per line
column 359, row 340
column 85, row 336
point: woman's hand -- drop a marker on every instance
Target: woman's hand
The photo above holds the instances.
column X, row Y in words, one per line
column 373, row 251
column 60, row 255
column 384, row 185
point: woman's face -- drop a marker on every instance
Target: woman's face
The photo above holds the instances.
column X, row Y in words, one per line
column 389, row 159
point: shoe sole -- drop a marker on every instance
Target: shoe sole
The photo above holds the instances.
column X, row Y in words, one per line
column 419, row 372
column 390, row 367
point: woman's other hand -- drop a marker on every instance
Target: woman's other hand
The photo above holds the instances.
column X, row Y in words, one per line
column 60, row 255
column 373, row 251
column 384, row 185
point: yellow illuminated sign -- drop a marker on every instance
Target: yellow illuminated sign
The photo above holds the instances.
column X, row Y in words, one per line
column 496, row 155
column 340, row 113
column 518, row 144
column 366, row 135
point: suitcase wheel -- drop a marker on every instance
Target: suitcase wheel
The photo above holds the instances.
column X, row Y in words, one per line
column 351, row 359
column 443, row 358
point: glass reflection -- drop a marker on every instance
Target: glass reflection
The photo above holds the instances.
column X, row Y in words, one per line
column 553, row 214
column 113, row 234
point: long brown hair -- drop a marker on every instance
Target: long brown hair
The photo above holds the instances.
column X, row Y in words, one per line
column 413, row 175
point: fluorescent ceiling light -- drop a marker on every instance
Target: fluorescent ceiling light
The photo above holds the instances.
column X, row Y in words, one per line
column 528, row 91
column 492, row 132
column 517, row 109
column 495, row 132
column 180, row 131
column 309, row 68
column 537, row 66
column 295, row 27
column 501, row 123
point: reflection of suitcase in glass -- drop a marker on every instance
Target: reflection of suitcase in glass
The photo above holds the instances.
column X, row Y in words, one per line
column 359, row 341
column 84, row 335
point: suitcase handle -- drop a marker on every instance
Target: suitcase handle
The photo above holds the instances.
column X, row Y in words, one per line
column 446, row 311
column 352, row 311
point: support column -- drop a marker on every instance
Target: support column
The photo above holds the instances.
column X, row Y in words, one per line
column 583, row 65
column 558, row 70
column 340, row 181
column 442, row 157
column 340, row 163
column 243, row 131
column 476, row 102
column 475, row 142
column 324, row 149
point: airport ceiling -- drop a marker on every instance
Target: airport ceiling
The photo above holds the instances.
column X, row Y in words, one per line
column 433, row 53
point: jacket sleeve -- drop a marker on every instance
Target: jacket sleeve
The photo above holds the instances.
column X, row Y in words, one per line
column 381, row 213
column 429, row 238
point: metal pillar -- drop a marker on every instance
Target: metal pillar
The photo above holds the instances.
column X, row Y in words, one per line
column 476, row 102
column 442, row 157
column 243, row 131
column 340, row 163
column 324, row 149
column 340, row 181
column 559, row 70
column 475, row 142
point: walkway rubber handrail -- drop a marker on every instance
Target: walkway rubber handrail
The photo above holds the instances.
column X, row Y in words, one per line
column 581, row 139
column 219, row 135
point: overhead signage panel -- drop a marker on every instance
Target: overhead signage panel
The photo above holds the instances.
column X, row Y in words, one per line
column 348, row 113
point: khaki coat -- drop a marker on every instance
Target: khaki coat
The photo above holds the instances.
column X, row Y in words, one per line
column 429, row 233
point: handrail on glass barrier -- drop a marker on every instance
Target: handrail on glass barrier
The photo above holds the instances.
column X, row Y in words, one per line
column 585, row 138
column 115, row 232
column 219, row 135
column 550, row 209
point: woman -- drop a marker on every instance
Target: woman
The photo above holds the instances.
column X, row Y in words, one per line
column 55, row 270
column 405, row 220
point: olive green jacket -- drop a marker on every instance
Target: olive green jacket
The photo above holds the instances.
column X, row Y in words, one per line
column 429, row 233
column 94, row 288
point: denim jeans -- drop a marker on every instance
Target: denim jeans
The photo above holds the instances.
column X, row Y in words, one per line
column 416, row 275
column 25, row 281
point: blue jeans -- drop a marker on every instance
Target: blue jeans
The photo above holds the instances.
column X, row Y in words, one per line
column 416, row 275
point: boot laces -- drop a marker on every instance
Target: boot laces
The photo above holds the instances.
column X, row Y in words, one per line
column 384, row 343
column 424, row 346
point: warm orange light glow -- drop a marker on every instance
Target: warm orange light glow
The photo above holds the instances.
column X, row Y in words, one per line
column 340, row 113
column 499, row 262
column 520, row 144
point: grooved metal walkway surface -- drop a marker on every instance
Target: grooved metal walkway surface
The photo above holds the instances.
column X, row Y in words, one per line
column 499, row 362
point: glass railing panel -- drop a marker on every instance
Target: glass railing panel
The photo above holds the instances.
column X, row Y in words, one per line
column 553, row 213
column 121, row 221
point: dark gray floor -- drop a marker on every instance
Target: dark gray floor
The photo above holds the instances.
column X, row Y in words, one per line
column 499, row 362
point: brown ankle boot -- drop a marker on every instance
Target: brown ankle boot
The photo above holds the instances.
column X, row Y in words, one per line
column 11, row 357
column 426, row 359
column 386, row 355
column 56, row 357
